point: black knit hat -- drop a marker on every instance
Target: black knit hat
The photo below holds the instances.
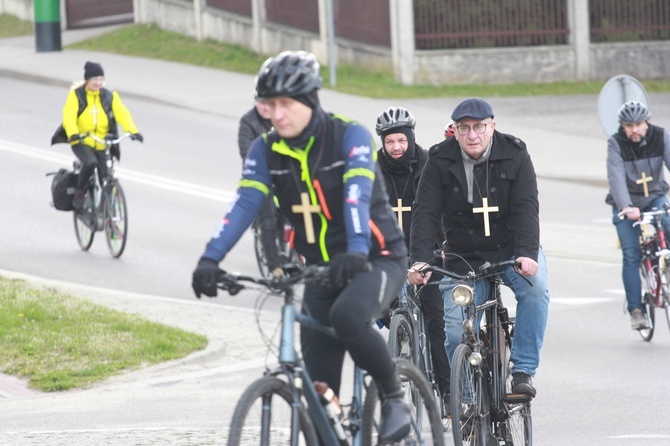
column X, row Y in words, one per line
column 92, row 69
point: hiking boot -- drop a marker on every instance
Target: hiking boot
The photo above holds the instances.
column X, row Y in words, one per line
column 522, row 383
column 638, row 320
column 78, row 200
column 396, row 420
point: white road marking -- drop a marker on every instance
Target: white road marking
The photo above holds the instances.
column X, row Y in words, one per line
column 580, row 300
column 643, row 436
column 125, row 174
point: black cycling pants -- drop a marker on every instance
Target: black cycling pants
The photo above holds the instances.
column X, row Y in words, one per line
column 351, row 311
column 433, row 313
column 90, row 159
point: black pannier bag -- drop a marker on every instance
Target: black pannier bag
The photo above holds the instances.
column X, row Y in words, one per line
column 62, row 189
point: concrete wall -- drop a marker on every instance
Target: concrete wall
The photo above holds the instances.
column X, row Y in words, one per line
column 579, row 60
column 22, row 9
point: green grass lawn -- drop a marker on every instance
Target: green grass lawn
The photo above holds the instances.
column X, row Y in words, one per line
column 11, row 26
column 58, row 342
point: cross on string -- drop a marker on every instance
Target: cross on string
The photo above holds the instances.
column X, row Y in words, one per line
column 306, row 209
column 643, row 181
column 485, row 209
column 94, row 112
column 399, row 209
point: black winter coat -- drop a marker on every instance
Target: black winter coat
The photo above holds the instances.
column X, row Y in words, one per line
column 252, row 125
column 442, row 192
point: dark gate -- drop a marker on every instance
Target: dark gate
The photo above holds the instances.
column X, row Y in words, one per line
column 89, row 13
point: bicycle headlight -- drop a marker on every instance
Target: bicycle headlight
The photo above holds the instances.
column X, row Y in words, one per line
column 475, row 358
column 462, row 295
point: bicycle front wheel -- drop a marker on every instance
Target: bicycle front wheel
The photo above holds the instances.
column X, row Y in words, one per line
column 649, row 287
column 426, row 422
column 115, row 219
column 469, row 401
column 263, row 416
column 258, row 249
column 402, row 341
column 85, row 223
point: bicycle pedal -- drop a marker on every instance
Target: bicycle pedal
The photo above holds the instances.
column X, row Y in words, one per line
column 517, row 398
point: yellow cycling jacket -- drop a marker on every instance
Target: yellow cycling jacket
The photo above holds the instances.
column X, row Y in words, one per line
column 94, row 119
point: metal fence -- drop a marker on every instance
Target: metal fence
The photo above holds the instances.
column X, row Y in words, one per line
column 442, row 24
column 302, row 14
column 450, row 24
column 629, row 21
column 242, row 7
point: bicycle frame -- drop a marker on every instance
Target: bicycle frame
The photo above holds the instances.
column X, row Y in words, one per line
column 654, row 251
column 293, row 368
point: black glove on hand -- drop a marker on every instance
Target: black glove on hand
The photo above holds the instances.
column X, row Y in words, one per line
column 74, row 138
column 205, row 277
column 345, row 265
column 137, row 137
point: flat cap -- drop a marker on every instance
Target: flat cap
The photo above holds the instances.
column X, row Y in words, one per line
column 472, row 108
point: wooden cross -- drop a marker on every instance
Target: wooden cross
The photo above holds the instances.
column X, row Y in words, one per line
column 399, row 209
column 307, row 209
column 643, row 181
column 94, row 112
column 485, row 209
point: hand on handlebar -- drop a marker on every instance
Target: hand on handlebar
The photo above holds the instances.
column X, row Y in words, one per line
column 205, row 277
column 137, row 137
column 75, row 138
column 346, row 265
column 629, row 212
column 416, row 276
column 527, row 266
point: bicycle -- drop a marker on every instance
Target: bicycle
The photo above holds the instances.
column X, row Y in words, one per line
column 408, row 339
column 104, row 207
column 654, row 271
column 284, row 242
column 484, row 409
column 284, row 406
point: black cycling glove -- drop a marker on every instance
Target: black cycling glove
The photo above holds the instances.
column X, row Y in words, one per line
column 137, row 137
column 345, row 265
column 205, row 277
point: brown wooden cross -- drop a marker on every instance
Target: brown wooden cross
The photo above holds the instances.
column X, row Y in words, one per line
column 399, row 209
column 307, row 209
column 485, row 209
column 643, row 181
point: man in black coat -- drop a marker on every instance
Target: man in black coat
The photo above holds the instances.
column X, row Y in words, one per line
column 481, row 186
column 401, row 160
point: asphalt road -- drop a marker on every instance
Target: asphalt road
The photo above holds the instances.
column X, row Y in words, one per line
column 598, row 384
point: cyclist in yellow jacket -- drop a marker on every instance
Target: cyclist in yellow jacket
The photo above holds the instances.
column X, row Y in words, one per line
column 91, row 108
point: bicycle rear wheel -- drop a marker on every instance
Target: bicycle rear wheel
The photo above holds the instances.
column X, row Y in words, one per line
column 649, row 284
column 470, row 418
column 402, row 341
column 665, row 290
column 263, row 416
column 85, row 222
column 259, row 251
column 115, row 218
column 426, row 422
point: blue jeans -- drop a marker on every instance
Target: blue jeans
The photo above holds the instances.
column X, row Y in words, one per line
column 629, row 238
column 531, row 315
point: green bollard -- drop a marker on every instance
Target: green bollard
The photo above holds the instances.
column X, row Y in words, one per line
column 47, row 25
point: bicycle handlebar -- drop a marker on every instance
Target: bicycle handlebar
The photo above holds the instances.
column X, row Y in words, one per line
column 314, row 273
column 487, row 269
column 107, row 141
column 645, row 217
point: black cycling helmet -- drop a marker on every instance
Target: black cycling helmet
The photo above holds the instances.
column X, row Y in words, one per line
column 393, row 118
column 290, row 73
column 633, row 111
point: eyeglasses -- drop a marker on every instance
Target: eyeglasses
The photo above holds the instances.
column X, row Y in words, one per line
column 478, row 128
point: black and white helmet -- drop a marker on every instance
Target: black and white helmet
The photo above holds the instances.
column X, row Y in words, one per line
column 290, row 73
column 633, row 111
column 393, row 118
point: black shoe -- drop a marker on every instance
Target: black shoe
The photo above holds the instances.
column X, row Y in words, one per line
column 78, row 200
column 396, row 420
column 522, row 383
